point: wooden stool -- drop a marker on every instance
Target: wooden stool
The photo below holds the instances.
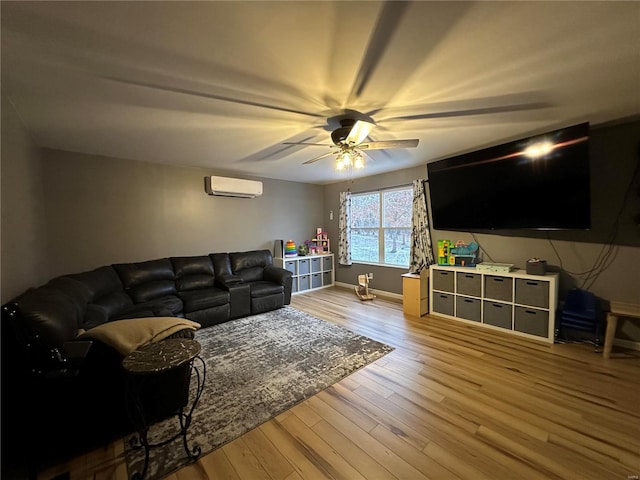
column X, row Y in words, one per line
column 626, row 310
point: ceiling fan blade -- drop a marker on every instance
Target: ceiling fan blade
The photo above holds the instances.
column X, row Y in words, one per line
column 409, row 143
column 319, row 157
column 359, row 132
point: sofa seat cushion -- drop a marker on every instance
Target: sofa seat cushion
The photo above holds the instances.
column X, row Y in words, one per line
column 169, row 303
column 263, row 289
column 202, row 299
column 125, row 336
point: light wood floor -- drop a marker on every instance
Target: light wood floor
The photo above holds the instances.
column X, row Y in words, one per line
column 453, row 401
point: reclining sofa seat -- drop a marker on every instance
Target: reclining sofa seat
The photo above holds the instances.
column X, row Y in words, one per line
column 151, row 283
column 202, row 300
column 269, row 286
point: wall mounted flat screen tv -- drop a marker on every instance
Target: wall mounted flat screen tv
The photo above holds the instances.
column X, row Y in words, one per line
column 540, row 182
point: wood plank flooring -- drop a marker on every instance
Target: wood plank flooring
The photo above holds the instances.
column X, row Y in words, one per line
column 452, row 401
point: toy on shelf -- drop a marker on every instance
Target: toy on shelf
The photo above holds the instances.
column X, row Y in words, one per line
column 459, row 253
column 362, row 290
column 444, row 252
column 321, row 242
column 465, row 255
column 290, row 249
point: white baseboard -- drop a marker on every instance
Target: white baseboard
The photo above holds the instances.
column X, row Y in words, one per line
column 396, row 297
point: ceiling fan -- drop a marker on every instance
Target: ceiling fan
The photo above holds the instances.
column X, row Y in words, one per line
column 349, row 142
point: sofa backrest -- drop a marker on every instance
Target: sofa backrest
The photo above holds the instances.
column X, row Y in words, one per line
column 145, row 281
column 250, row 265
column 56, row 311
column 106, row 295
column 193, row 273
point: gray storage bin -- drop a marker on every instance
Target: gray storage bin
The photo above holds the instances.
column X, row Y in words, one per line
column 303, row 267
column 291, row 266
column 497, row 314
column 316, row 264
column 327, row 263
column 326, row 278
column 532, row 292
column 532, row 321
column 443, row 280
column 294, row 285
column 443, row 303
column 304, row 283
column 469, row 284
column 468, row 308
column 316, row 280
column 498, row 288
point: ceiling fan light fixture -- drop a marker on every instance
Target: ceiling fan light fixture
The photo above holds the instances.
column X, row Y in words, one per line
column 359, row 161
column 349, row 158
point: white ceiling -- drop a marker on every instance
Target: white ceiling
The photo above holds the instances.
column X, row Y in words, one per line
column 223, row 84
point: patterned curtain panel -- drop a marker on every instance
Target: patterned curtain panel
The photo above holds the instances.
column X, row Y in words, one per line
column 421, row 251
column 344, row 248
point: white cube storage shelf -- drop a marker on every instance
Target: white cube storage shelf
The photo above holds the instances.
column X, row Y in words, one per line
column 310, row 272
column 514, row 302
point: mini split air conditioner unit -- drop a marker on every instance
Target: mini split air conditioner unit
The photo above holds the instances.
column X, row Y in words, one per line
column 232, row 187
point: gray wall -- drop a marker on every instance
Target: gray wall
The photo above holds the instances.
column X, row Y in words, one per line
column 106, row 210
column 23, row 238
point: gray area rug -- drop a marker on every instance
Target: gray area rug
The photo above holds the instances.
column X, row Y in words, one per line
column 256, row 368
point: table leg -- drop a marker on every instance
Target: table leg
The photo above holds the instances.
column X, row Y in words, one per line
column 612, row 322
column 185, row 418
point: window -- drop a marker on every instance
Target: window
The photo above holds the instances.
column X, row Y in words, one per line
column 381, row 226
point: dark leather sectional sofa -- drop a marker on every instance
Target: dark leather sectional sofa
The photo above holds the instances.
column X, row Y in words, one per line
column 54, row 392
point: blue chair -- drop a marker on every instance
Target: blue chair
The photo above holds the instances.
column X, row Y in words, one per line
column 580, row 312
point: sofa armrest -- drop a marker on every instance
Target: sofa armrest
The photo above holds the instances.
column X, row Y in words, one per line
column 282, row 277
column 228, row 280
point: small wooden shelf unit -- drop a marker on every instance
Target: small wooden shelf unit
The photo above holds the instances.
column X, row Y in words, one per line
column 415, row 293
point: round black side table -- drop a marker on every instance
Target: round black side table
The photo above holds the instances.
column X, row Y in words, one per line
column 149, row 363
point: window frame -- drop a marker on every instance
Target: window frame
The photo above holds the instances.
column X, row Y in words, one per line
column 381, row 229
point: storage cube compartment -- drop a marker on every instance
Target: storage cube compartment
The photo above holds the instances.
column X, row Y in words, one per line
column 326, row 278
column 316, row 264
column 532, row 321
column 469, row 284
column 291, row 266
column 532, row 292
column 304, row 282
column 497, row 314
column 303, row 267
column 468, row 308
column 316, row 280
column 498, row 288
column 443, row 303
column 294, row 285
column 327, row 263
column 443, row 280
